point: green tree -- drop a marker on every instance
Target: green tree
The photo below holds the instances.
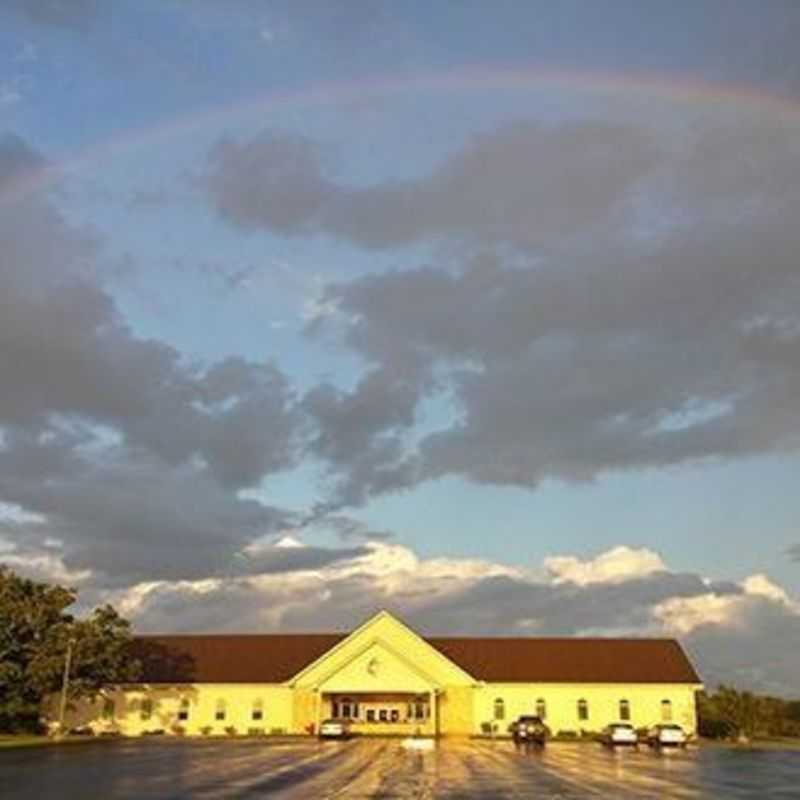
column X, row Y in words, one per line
column 36, row 630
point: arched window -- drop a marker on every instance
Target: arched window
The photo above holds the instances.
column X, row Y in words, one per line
column 183, row 711
column 258, row 710
column 499, row 708
column 146, row 709
column 666, row 711
column 583, row 710
column 219, row 713
column 624, row 710
column 541, row 708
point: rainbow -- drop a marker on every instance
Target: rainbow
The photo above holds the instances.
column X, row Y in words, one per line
column 700, row 94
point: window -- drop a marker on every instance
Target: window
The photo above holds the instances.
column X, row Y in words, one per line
column 499, row 709
column 583, row 710
column 370, row 715
column 383, row 715
column 346, row 709
column 258, row 710
column 666, row 711
column 541, row 708
column 335, row 709
column 219, row 713
column 420, row 710
column 183, row 711
column 108, row 708
column 624, row 710
column 146, row 710
column 395, row 715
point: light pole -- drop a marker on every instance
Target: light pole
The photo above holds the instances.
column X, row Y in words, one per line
column 62, row 706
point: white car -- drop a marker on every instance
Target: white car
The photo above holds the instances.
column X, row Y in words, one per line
column 334, row 729
column 620, row 734
column 666, row 735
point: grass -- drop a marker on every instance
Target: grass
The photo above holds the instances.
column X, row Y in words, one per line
column 9, row 741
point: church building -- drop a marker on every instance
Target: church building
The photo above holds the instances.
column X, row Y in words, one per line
column 386, row 679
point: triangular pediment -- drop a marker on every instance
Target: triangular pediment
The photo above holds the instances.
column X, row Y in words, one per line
column 378, row 668
column 400, row 655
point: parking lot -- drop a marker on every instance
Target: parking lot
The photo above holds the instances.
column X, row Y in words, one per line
column 382, row 768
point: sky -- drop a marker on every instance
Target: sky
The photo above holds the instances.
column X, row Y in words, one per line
column 486, row 314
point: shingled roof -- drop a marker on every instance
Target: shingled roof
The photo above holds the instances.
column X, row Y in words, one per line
column 275, row 658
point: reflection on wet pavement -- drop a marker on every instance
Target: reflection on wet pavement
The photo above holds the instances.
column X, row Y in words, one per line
column 381, row 768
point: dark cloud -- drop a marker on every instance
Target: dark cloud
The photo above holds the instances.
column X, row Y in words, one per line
column 666, row 345
column 124, row 515
column 71, row 354
column 74, row 14
column 357, row 433
column 525, row 183
column 132, row 454
column 349, row 529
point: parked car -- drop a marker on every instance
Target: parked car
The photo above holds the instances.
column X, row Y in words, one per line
column 619, row 734
column 529, row 729
column 666, row 735
column 334, row 729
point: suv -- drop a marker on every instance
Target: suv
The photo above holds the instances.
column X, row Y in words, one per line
column 619, row 734
column 529, row 729
column 666, row 735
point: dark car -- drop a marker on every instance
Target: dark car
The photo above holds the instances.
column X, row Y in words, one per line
column 529, row 730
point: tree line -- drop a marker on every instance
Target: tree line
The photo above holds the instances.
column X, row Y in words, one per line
column 39, row 637
column 732, row 714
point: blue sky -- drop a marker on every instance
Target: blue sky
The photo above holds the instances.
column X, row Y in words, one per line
column 475, row 260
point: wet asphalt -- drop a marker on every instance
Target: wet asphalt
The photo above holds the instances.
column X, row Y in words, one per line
column 382, row 768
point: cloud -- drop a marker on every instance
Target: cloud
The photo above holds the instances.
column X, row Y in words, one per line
column 672, row 339
column 72, row 14
column 72, row 355
column 614, row 566
column 524, row 183
column 458, row 596
column 131, row 454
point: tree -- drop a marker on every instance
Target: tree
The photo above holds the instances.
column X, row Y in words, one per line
column 731, row 714
column 35, row 633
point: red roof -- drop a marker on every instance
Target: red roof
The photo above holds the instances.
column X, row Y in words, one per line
column 275, row 658
column 574, row 660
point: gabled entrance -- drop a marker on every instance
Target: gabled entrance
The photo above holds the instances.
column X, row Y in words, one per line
column 384, row 678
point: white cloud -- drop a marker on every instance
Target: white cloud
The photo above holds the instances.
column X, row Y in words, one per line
column 289, row 541
column 683, row 615
column 48, row 567
column 614, row 566
column 761, row 585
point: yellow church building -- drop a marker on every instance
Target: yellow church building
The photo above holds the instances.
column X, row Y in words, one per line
column 386, row 679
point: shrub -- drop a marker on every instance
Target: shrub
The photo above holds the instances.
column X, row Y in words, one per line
column 206, row 730
column 230, row 730
column 255, row 731
column 567, row 735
